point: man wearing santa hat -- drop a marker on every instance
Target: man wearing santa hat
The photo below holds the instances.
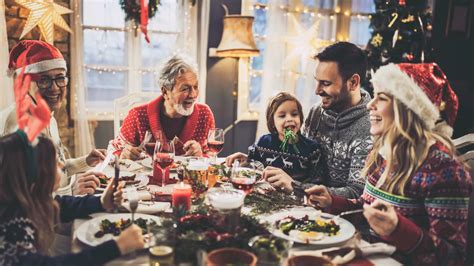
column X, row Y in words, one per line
column 47, row 68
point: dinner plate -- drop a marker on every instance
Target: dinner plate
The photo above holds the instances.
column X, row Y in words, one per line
column 347, row 230
column 86, row 231
column 147, row 162
column 149, row 207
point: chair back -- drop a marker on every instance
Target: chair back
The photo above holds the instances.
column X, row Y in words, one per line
column 123, row 104
column 464, row 146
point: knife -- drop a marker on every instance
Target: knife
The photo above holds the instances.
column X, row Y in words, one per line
column 117, row 176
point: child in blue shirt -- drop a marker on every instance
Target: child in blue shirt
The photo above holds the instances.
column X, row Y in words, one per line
column 289, row 158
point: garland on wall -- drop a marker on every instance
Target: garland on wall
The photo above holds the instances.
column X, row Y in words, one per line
column 139, row 11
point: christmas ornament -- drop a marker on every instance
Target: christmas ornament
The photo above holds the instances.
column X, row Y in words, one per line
column 377, row 40
column 409, row 18
column 394, row 18
column 139, row 12
column 44, row 14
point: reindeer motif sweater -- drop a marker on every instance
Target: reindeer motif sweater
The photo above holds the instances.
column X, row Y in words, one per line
column 303, row 167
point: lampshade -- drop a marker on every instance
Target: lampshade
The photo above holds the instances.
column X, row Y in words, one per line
column 237, row 37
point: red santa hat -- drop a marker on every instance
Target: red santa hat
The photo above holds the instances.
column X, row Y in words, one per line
column 35, row 56
column 424, row 89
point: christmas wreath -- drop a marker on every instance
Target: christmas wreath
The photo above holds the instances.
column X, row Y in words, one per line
column 132, row 9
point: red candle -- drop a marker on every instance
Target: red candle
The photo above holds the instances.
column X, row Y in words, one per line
column 181, row 197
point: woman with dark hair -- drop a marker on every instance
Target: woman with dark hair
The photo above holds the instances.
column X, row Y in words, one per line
column 29, row 213
column 416, row 192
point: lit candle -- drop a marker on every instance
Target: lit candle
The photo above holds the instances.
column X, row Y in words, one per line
column 181, row 196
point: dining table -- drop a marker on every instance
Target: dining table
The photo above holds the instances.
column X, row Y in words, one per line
column 142, row 258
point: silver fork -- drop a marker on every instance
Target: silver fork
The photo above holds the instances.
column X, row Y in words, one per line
column 336, row 217
column 132, row 196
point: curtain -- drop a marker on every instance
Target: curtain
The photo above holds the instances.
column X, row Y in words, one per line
column 6, row 84
column 83, row 140
column 285, row 69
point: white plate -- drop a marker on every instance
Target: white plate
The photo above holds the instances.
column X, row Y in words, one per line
column 86, row 231
column 144, row 179
column 147, row 162
column 346, row 232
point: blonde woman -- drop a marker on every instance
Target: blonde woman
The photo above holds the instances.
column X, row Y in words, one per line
column 416, row 193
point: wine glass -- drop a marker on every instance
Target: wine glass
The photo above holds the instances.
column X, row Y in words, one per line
column 163, row 158
column 148, row 144
column 244, row 178
column 215, row 142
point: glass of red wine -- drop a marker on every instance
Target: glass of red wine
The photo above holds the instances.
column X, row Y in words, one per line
column 162, row 159
column 148, row 144
column 243, row 178
column 215, row 142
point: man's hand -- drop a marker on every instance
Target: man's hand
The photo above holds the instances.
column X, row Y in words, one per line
column 109, row 198
column 241, row 157
column 192, row 148
column 381, row 217
column 95, row 157
column 320, row 196
column 86, row 183
column 131, row 152
column 278, row 178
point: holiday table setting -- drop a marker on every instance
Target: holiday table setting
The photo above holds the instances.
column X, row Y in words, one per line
column 208, row 218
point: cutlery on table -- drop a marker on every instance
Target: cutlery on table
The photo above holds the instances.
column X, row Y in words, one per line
column 132, row 197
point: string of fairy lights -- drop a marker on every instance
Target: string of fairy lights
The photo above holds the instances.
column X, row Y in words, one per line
column 329, row 15
column 131, row 30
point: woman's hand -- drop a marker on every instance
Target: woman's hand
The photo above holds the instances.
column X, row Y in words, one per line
column 241, row 157
column 192, row 148
column 278, row 178
column 95, row 157
column 319, row 195
column 130, row 239
column 109, row 198
column 381, row 217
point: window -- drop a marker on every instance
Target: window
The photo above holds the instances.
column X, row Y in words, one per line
column 290, row 68
column 117, row 59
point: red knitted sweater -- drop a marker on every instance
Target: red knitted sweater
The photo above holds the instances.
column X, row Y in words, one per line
column 147, row 117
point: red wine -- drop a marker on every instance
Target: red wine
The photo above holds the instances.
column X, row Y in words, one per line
column 243, row 183
column 150, row 148
column 163, row 159
column 215, row 146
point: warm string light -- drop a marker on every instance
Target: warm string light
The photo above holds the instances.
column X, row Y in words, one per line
column 312, row 11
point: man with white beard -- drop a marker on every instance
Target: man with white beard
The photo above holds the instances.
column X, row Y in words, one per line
column 174, row 115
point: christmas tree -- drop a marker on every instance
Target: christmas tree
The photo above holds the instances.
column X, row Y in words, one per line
column 401, row 33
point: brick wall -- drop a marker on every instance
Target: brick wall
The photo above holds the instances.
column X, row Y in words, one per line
column 16, row 17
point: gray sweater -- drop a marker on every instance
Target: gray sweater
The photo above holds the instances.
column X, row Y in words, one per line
column 345, row 141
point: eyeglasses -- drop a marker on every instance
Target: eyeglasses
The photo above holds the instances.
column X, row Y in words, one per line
column 47, row 83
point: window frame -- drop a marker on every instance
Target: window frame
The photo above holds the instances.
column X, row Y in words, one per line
column 94, row 110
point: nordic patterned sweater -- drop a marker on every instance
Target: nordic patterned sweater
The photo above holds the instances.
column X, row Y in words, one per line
column 346, row 141
column 304, row 167
column 17, row 237
column 432, row 227
column 147, row 117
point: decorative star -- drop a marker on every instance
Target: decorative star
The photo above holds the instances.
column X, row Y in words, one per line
column 377, row 40
column 44, row 14
column 305, row 43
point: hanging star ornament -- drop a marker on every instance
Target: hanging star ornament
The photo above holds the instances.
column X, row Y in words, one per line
column 305, row 43
column 377, row 40
column 44, row 14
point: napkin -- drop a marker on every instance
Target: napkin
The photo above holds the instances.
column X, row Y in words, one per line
column 343, row 255
column 149, row 207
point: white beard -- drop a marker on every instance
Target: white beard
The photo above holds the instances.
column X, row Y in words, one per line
column 179, row 108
